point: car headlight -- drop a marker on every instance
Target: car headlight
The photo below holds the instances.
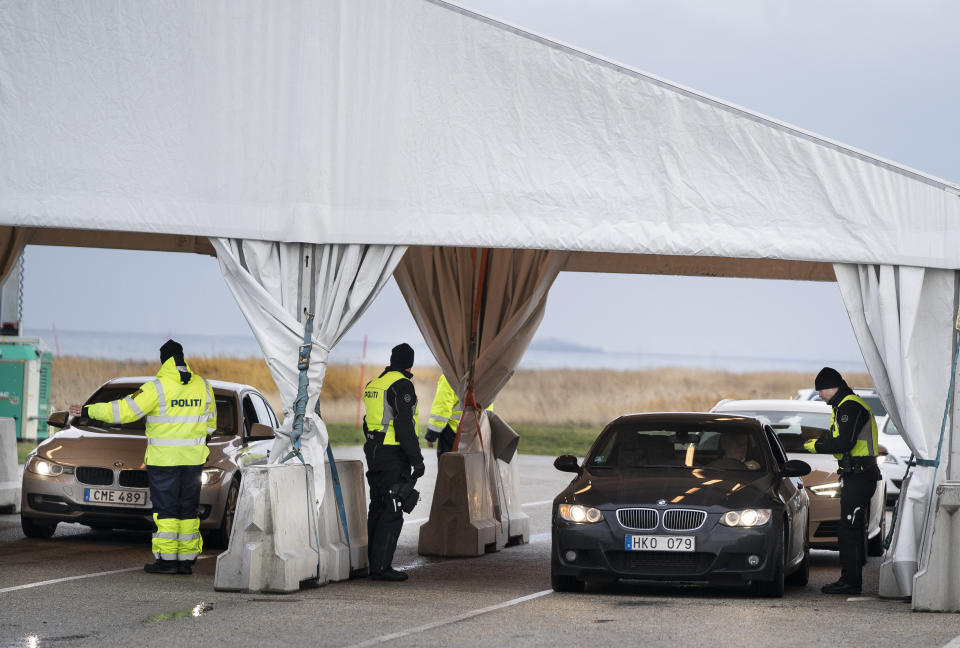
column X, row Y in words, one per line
column 46, row 467
column 746, row 518
column 210, row 476
column 827, row 490
column 581, row 514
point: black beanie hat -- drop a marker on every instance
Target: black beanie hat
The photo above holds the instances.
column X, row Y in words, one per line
column 171, row 349
column 828, row 378
column 401, row 356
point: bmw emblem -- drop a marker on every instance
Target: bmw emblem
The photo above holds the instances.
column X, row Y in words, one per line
column 118, row 464
column 661, row 502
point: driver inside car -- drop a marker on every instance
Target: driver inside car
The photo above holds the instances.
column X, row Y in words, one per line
column 735, row 449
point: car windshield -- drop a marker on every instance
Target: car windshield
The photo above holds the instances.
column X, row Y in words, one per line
column 723, row 447
column 792, row 428
column 226, row 421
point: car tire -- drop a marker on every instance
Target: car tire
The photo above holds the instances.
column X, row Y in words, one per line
column 801, row 577
column 34, row 528
column 875, row 544
column 220, row 538
column 566, row 583
column 774, row 588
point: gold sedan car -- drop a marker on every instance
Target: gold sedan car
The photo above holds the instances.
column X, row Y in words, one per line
column 794, row 422
column 93, row 472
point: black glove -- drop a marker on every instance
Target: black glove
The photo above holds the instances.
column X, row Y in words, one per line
column 418, row 471
column 431, row 436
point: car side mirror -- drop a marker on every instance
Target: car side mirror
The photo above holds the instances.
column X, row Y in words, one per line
column 260, row 432
column 567, row 463
column 796, row 468
column 59, row 419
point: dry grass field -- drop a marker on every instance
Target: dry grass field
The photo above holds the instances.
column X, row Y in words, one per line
column 564, row 397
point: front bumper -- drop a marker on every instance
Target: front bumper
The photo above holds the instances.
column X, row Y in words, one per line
column 61, row 499
column 720, row 557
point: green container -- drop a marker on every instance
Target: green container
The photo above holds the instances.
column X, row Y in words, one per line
column 25, row 368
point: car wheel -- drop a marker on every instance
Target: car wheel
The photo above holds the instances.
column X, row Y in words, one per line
column 221, row 537
column 875, row 544
column 33, row 528
column 801, row 577
column 774, row 587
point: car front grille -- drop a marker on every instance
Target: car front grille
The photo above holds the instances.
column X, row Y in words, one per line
column 95, row 476
column 661, row 563
column 642, row 519
column 683, row 519
column 133, row 478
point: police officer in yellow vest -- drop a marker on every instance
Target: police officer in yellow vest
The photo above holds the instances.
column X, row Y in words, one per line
column 393, row 457
column 181, row 411
column 852, row 439
column 445, row 415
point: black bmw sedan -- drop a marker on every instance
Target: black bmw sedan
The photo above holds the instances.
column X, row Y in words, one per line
column 692, row 498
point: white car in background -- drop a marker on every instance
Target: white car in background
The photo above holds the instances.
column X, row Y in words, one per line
column 794, row 422
column 898, row 453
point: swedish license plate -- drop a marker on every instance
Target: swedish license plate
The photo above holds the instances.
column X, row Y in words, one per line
column 660, row 543
column 116, row 497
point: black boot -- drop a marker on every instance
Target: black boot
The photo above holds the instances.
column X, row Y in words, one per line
column 388, row 574
column 160, row 568
column 841, row 587
column 184, row 568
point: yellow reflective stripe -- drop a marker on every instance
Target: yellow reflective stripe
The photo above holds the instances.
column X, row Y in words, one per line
column 176, row 442
column 187, row 537
column 164, row 556
column 166, row 535
column 161, row 397
column 433, row 427
column 189, row 556
column 132, row 404
column 115, row 405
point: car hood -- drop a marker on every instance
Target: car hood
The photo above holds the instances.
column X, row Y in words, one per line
column 77, row 446
column 823, row 468
column 615, row 488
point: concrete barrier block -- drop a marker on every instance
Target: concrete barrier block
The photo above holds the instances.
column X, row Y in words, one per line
column 461, row 516
column 10, row 481
column 272, row 545
column 515, row 522
column 936, row 586
column 343, row 561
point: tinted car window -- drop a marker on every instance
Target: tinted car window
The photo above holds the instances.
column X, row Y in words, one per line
column 226, row 423
column 724, row 447
column 264, row 415
column 778, row 451
column 249, row 414
column 792, row 428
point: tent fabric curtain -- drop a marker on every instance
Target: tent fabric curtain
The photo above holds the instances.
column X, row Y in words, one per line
column 274, row 284
column 439, row 285
column 12, row 242
column 903, row 319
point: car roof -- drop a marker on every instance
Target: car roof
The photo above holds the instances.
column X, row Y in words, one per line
column 773, row 405
column 706, row 418
column 125, row 381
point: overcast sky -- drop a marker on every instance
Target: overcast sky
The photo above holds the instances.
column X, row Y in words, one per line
column 879, row 75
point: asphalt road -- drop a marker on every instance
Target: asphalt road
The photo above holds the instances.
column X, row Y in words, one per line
column 98, row 595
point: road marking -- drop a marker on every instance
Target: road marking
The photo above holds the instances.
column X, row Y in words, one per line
column 73, row 578
column 954, row 643
column 855, row 599
column 456, row 619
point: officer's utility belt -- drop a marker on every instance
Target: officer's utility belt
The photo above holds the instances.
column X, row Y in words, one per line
column 377, row 436
column 849, row 463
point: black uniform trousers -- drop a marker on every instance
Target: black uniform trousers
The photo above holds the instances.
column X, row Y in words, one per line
column 856, row 489
column 175, row 491
column 385, row 518
column 445, row 440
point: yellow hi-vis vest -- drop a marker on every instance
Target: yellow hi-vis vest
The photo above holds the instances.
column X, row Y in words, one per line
column 379, row 415
column 446, row 407
column 867, row 443
column 179, row 416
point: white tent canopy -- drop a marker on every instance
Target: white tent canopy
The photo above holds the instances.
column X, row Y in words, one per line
column 416, row 122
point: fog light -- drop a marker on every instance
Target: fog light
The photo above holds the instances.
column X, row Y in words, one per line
column 570, row 556
column 753, row 560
